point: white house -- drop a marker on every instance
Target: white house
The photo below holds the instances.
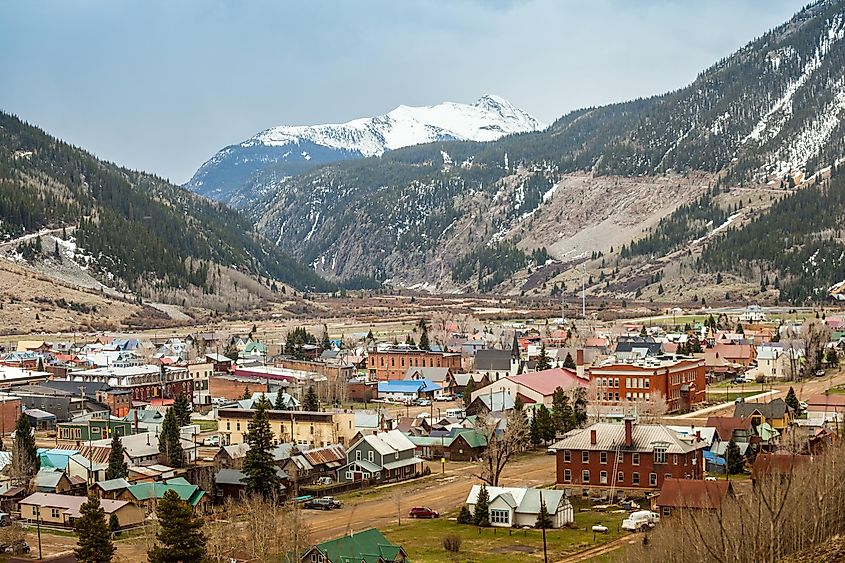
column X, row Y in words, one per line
column 778, row 362
column 516, row 507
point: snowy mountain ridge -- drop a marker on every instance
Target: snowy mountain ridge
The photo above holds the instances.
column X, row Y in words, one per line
column 288, row 150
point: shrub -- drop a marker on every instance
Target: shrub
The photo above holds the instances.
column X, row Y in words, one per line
column 464, row 516
column 452, row 543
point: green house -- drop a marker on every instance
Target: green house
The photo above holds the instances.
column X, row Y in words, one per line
column 93, row 429
column 367, row 546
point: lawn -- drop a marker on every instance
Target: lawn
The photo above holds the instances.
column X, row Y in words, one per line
column 206, row 425
column 422, row 539
column 836, row 390
column 721, row 396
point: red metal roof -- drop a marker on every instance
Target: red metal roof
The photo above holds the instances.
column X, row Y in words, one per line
column 693, row 493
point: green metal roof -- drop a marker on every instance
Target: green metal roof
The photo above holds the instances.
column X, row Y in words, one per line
column 368, row 545
column 187, row 492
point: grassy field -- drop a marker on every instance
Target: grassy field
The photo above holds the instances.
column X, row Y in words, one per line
column 422, row 540
column 206, row 425
column 722, row 396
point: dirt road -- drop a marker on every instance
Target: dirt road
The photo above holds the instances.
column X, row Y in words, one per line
column 442, row 493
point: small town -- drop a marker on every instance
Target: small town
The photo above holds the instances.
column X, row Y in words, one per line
column 477, row 281
column 572, row 438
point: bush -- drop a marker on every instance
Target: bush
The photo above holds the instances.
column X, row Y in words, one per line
column 464, row 516
column 426, row 470
column 452, row 543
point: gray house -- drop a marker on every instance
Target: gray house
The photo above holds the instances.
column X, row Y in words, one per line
column 386, row 456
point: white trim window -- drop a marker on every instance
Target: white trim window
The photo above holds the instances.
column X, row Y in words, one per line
column 652, row 479
column 585, row 456
column 585, row 476
column 567, row 475
column 602, row 457
column 498, row 516
column 567, row 456
column 603, row 477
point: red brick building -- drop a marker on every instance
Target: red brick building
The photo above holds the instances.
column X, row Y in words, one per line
column 392, row 363
column 10, row 410
column 680, row 380
column 627, row 457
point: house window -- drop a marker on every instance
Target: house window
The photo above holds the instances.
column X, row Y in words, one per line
column 667, row 511
column 370, row 456
column 660, row 454
column 667, row 476
column 317, row 558
column 585, row 476
column 635, row 459
column 500, row 517
column 602, row 457
column 603, row 477
column 652, row 479
column 620, row 457
column 349, row 476
column 635, row 479
column 567, row 456
column 675, row 459
column 567, row 475
column 55, row 513
column 357, row 455
column 238, row 426
column 620, row 477
column 585, row 457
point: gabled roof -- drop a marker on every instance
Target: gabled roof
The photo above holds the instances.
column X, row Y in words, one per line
column 71, row 504
column 726, row 425
column 522, row 500
column 191, row 494
column 774, row 409
column 693, row 493
column 610, row 435
column 367, row 546
column 545, row 382
column 498, row 402
column 113, row 484
column 777, row 464
column 463, row 378
column 493, row 360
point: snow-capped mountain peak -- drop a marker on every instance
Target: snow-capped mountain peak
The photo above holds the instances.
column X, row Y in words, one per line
column 291, row 149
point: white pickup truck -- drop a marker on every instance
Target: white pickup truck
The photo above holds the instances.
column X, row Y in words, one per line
column 640, row 520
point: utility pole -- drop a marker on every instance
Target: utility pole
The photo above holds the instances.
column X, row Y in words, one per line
column 543, row 526
column 38, row 527
column 584, row 290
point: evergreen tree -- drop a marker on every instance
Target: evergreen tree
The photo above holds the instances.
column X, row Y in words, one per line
column 481, row 516
column 94, row 543
column 182, row 410
column 325, row 342
column 370, row 336
column 310, row 402
column 739, row 329
column 464, row 516
column 280, row 402
column 543, row 362
column 247, row 394
column 259, row 470
column 545, row 425
column 467, row 395
column 170, row 442
column 424, row 343
column 792, row 401
column 114, row 523
column 733, row 458
column 831, row 357
column 534, row 432
column 569, row 362
column 579, row 407
column 180, row 538
column 563, row 417
column 25, row 459
column 544, row 520
column 117, row 468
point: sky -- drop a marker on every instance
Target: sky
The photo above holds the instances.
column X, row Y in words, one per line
column 162, row 85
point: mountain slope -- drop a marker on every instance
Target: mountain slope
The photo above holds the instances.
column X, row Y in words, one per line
column 237, row 172
column 772, row 109
column 138, row 229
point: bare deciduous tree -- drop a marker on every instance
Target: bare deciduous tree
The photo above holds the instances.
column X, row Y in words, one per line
column 501, row 445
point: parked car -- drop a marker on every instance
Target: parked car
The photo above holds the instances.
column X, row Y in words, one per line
column 333, row 501
column 640, row 521
column 211, row 441
column 319, row 504
column 423, row 512
column 5, row 519
column 424, row 403
column 445, row 398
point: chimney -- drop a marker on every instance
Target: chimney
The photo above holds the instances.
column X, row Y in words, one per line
column 593, row 437
column 697, row 436
column 629, row 431
column 579, row 362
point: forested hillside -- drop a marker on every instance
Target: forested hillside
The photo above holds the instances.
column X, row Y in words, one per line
column 772, row 110
column 140, row 228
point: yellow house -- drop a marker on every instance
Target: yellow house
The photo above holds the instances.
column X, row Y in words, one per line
column 777, row 413
column 62, row 510
column 314, row 429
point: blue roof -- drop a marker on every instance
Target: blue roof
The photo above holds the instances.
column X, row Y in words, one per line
column 713, row 458
column 408, row 386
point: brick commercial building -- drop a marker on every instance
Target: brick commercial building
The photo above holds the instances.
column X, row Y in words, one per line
column 680, row 380
column 393, row 363
column 233, row 387
column 10, row 410
column 627, row 457
column 144, row 381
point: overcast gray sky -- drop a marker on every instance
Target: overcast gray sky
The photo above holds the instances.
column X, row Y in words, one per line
column 162, row 85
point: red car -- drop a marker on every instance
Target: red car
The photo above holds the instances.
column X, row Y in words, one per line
column 423, row 512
